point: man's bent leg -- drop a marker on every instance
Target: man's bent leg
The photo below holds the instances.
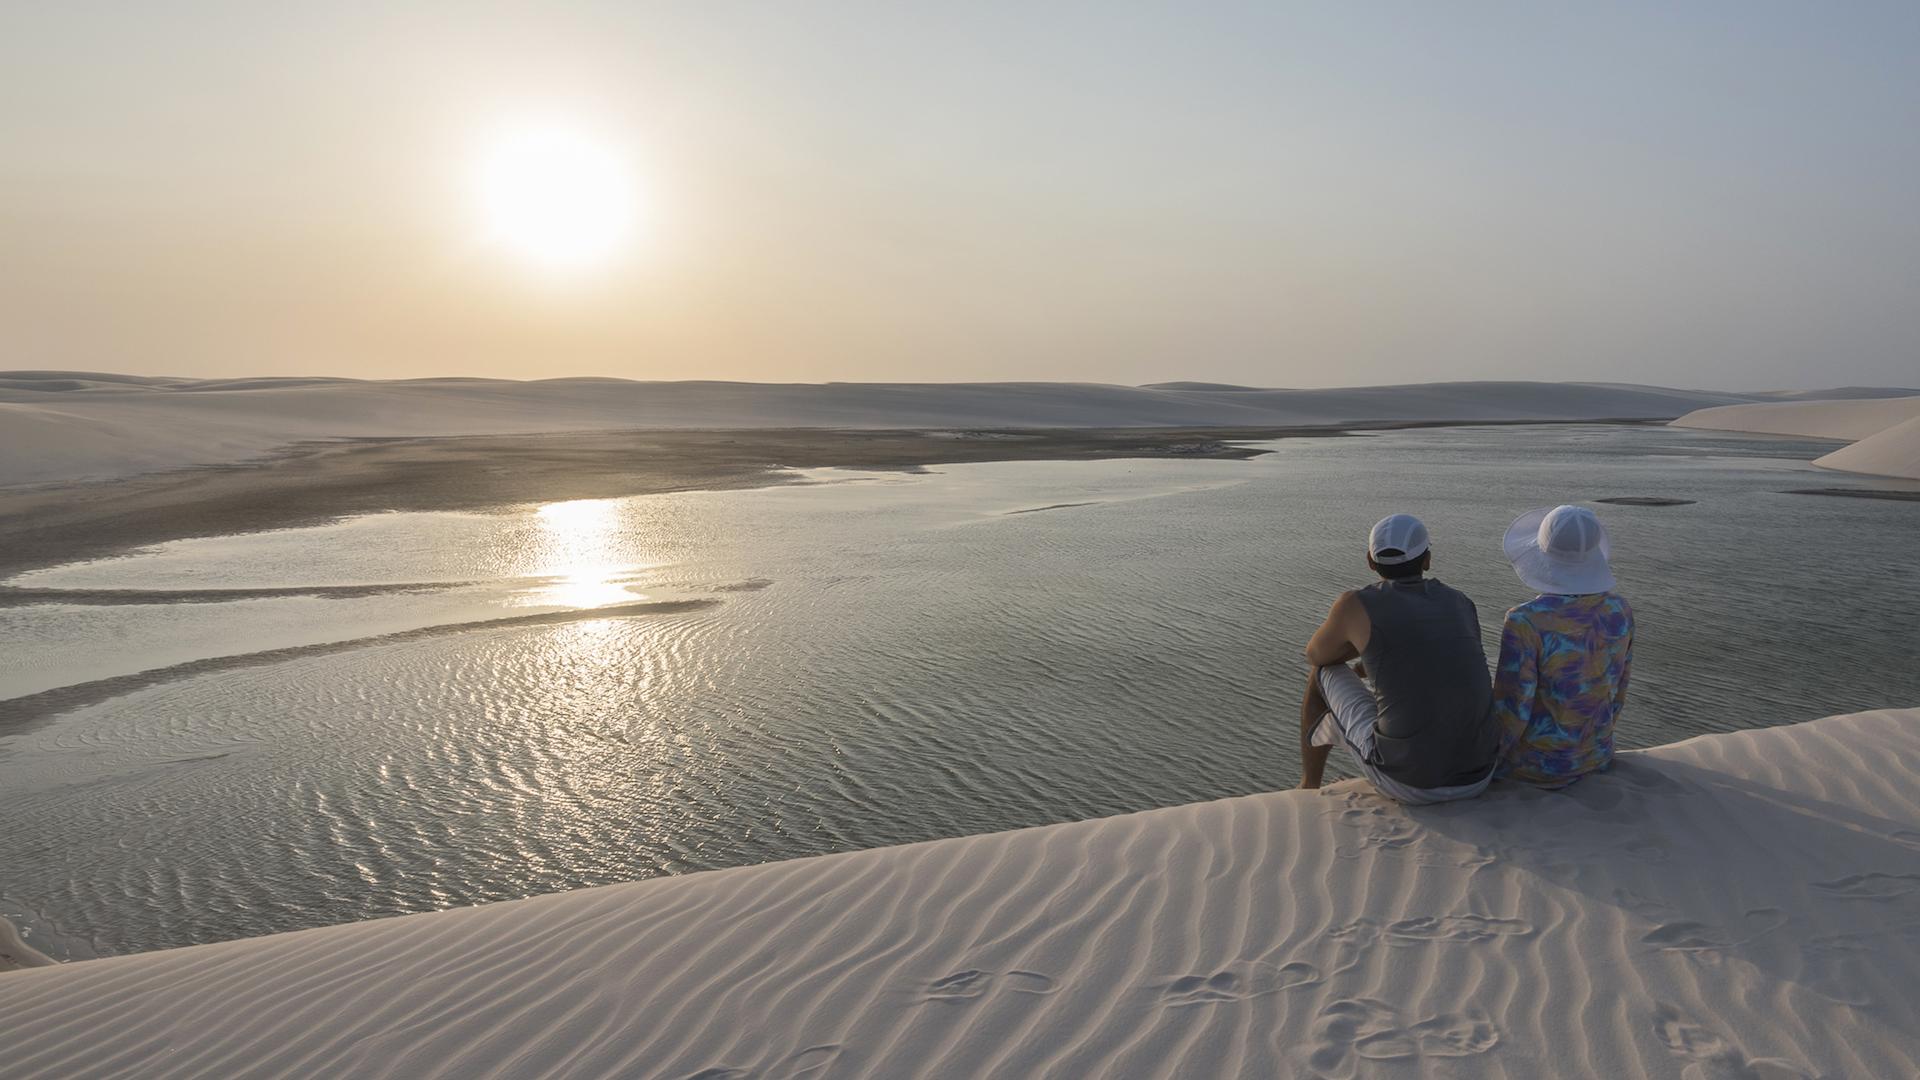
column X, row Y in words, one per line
column 1313, row 759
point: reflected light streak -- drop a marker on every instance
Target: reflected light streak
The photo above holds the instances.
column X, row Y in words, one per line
column 578, row 555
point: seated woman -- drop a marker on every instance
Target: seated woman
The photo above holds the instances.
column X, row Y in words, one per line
column 1564, row 655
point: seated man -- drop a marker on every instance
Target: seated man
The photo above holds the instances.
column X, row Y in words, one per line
column 1565, row 654
column 1425, row 733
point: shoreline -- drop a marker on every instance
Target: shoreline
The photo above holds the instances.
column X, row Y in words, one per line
column 310, row 484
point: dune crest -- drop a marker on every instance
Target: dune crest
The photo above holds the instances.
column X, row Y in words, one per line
column 1744, row 904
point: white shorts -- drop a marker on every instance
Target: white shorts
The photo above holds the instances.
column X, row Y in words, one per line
column 1355, row 712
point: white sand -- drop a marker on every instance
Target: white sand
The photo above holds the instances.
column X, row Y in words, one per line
column 1887, row 430
column 1844, row 420
column 1742, row 905
column 1892, row 452
column 64, row 426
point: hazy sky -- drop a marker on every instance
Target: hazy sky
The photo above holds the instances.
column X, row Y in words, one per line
column 1690, row 194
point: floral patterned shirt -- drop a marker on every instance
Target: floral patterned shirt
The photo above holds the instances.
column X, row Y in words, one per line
column 1559, row 686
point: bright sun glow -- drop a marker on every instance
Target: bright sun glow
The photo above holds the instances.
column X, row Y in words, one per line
column 559, row 198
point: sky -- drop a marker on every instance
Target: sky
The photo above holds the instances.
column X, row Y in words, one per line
column 1701, row 194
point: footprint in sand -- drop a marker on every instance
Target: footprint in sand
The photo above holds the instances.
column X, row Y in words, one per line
column 1685, row 935
column 1354, row 941
column 1372, row 1029
column 1711, row 1057
column 801, row 1065
column 1826, row 965
column 1427, row 929
column 1028, row 982
column 1830, row 968
column 1238, row 981
column 973, row 983
column 1638, row 904
column 1454, row 856
column 960, row 986
column 1874, row 886
column 1379, row 828
column 1462, row 928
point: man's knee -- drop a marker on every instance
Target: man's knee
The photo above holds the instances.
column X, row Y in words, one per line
column 1315, row 704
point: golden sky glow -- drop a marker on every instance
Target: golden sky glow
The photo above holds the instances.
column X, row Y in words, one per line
column 1711, row 194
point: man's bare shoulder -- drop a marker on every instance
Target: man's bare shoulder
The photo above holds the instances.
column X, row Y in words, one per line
column 1348, row 608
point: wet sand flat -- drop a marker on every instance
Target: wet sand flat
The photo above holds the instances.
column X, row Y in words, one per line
column 315, row 483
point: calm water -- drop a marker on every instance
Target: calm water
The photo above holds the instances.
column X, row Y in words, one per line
column 862, row 660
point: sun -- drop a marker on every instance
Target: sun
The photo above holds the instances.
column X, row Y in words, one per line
column 559, row 198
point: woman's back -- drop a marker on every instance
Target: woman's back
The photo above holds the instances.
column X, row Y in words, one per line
column 1560, row 685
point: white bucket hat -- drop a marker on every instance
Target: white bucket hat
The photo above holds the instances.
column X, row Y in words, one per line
column 1561, row 550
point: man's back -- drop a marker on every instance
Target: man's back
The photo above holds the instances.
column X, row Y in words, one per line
column 1430, row 674
column 1564, row 664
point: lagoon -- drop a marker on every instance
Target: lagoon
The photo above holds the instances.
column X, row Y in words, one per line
column 346, row 722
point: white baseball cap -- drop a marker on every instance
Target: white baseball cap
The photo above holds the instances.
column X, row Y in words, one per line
column 1560, row 550
column 1397, row 538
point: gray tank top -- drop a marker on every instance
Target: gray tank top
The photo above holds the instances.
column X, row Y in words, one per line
column 1430, row 674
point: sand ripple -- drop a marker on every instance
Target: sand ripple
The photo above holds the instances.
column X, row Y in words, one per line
column 1522, row 935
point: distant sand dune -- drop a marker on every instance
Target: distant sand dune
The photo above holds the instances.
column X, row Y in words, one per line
column 1735, row 905
column 1885, row 432
column 1892, row 452
column 62, row 426
column 1839, row 419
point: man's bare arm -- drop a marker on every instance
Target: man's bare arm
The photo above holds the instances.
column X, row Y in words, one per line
column 1342, row 635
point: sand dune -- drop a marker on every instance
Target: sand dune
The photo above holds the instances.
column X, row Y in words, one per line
column 1892, row 452
column 1742, row 905
column 63, row 426
column 1837, row 393
column 1835, row 419
column 1885, row 433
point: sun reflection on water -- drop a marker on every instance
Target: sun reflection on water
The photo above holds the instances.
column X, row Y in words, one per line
column 578, row 549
